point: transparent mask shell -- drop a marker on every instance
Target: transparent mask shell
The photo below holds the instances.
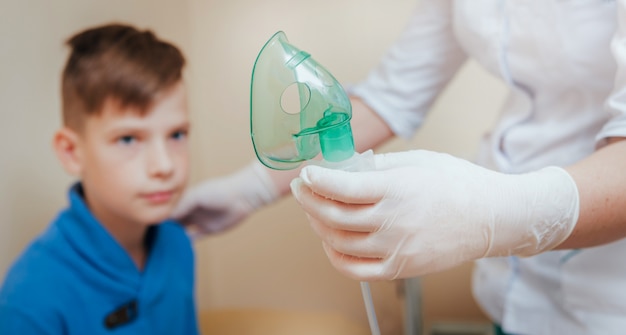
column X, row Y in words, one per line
column 297, row 108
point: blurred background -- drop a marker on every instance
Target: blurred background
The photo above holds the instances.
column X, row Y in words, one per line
column 273, row 260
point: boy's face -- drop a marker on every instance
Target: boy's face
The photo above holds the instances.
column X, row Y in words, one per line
column 134, row 168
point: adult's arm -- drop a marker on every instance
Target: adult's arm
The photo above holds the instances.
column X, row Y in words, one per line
column 424, row 212
column 601, row 182
column 601, row 177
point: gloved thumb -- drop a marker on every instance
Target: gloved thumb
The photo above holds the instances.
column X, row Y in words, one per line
column 414, row 158
column 362, row 187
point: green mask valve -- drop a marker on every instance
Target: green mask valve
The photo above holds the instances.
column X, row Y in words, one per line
column 297, row 108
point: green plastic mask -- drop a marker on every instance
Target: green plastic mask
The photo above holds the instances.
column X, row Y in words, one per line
column 297, row 108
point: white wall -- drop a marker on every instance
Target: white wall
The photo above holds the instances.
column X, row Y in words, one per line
column 273, row 259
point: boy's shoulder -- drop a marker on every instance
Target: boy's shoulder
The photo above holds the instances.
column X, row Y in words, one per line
column 75, row 262
column 37, row 278
column 48, row 268
column 43, row 255
column 45, row 272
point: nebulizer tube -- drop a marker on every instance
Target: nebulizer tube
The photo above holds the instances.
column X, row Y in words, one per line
column 369, row 308
column 284, row 138
column 337, row 147
column 338, row 152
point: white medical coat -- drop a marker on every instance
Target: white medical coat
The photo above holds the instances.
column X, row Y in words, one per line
column 564, row 62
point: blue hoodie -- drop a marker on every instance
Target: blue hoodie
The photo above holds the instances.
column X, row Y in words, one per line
column 76, row 279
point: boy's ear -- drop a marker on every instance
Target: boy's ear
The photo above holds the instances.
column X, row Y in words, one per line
column 67, row 148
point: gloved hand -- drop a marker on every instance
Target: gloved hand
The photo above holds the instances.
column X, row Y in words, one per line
column 420, row 212
column 218, row 204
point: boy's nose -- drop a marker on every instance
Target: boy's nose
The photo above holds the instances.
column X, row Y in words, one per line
column 160, row 162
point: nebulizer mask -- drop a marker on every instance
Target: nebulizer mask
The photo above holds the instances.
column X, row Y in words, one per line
column 297, row 111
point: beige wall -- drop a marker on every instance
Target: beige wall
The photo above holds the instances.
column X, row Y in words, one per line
column 273, row 259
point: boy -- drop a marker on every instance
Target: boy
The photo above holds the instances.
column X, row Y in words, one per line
column 107, row 264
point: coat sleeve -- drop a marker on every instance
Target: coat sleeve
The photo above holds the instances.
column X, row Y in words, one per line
column 616, row 102
column 402, row 88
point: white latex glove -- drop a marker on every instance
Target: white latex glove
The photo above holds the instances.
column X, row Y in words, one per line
column 218, row 204
column 420, row 212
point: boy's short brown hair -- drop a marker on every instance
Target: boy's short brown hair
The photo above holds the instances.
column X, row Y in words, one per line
column 116, row 61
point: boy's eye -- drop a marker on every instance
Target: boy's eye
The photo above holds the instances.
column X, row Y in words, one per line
column 179, row 135
column 126, row 140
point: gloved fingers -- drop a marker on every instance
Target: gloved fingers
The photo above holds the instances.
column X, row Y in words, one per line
column 357, row 244
column 193, row 233
column 364, row 187
column 209, row 221
column 185, row 206
column 202, row 210
column 335, row 214
column 359, row 268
